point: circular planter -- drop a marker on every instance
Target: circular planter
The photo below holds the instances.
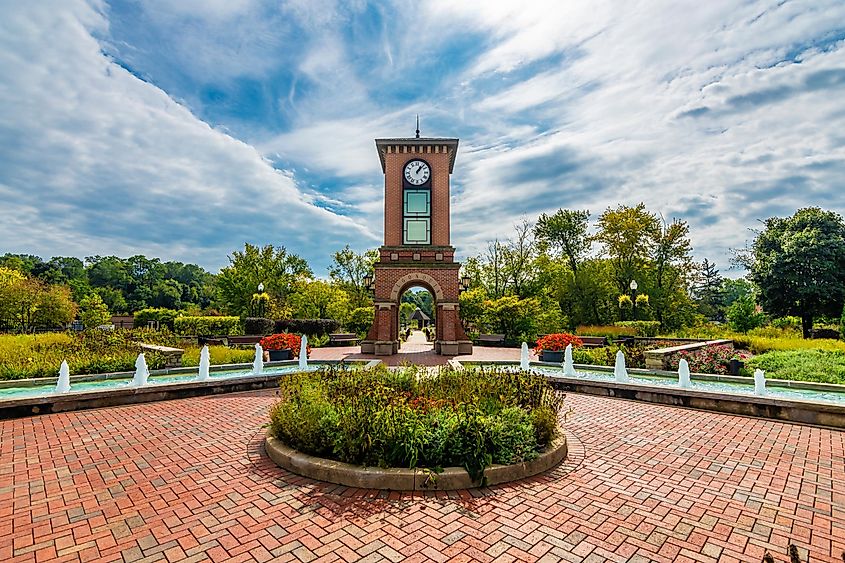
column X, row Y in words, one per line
column 404, row 479
column 279, row 355
column 551, row 356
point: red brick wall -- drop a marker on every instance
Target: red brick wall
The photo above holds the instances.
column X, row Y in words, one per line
column 394, row 163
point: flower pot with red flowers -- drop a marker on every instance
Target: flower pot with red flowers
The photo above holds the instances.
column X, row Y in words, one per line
column 282, row 346
column 551, row 347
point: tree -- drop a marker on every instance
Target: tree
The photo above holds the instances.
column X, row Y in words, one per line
column 274, row 267
column 320, row 300
column 93, row 312
column 518, row 257
column 798, row 263
column 627, row 235
column 707, row 291
column 348, row 269
column 472, row 307
column 743, row 315
column 565, row 233
column 672, row 266
column 29, row 303
column 513, row 317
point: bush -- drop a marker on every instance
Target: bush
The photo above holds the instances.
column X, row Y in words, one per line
column 207, row 326
column 513, row 317
column 284, row 341
column 259, row 325
column 399, row 419
column 743, row 315
column 557, row 342
column 93, row 312
column 360, row 320
column 802, row 365
column 164, row 317
column 608, row 331
column 311, row 327
column 787, row 323
column 643, row 328
column 712, row 359
column 220, row 355
column 830, row 333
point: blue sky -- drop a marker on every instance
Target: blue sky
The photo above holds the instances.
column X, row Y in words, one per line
column 183, row 129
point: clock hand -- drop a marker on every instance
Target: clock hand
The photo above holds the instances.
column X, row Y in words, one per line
column 419, row 168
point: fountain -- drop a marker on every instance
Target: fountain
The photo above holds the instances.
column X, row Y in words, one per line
column 258, row 363
column 683, row 374
column 303, row 353
column 205, row 364
column 568, row 365
column 619, row 369
column 759, row 382
column 141, row 371
column 523, row 357
column 63, row 385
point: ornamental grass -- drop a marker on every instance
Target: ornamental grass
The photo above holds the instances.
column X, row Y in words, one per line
column 411, row 417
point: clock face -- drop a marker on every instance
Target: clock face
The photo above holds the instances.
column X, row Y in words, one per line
column 417, row 172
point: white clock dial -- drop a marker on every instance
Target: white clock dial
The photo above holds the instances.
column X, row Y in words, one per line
column 417, row 172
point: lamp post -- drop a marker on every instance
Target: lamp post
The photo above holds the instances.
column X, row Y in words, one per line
column 633, row 287
column 259, row 300
column 465, row 283
column 370, row 284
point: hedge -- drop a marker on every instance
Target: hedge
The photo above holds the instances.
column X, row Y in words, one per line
column 311, row 327
column 207, row 326
column 644, row 328
column 258, row 325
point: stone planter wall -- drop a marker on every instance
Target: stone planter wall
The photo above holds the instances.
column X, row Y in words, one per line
column 659, row 358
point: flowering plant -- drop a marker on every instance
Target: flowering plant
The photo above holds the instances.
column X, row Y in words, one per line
column 284, row 341
column 557, row 342
column 712, row 359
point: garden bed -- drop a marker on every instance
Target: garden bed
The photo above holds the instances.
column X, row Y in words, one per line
column 419, row 421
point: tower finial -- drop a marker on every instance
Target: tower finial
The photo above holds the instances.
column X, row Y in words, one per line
column 418, row 126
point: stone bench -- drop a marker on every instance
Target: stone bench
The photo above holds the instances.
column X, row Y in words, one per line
column 172, row 356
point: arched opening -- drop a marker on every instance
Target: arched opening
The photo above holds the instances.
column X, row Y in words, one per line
column 417, row 317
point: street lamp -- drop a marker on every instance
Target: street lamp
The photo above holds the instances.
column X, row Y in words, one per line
column 370, row 284
column 465, row 283
column 633, row 287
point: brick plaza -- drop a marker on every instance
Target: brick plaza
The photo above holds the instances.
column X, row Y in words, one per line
column 187, row 480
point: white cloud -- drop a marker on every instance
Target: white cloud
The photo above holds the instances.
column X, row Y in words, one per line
column 96, row 161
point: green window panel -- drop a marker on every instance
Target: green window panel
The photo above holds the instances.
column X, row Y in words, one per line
column 417, row 231
column 417, row 202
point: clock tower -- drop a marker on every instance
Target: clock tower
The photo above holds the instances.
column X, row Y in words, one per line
column 417, row 249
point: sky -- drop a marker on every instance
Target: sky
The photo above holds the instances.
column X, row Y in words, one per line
column 183, row 129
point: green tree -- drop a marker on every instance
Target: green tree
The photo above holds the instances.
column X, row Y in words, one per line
column 743, row 315
column 513, row 317
column 627, row 235
column 319, row 300
column 672, row 266
column 405, row 312
column 472, row 307
column 707, row 290
column 93, row 312
column 565, row 233
column 348, row 269
column 274, row 267
column 798, row 263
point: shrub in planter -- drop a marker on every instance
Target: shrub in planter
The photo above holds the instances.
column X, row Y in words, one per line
column 283, row 341
column 385, row 418
column 552, row 346
column 712, row 359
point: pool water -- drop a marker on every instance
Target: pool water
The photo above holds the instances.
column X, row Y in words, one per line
column 728, row 388
column 108, row 384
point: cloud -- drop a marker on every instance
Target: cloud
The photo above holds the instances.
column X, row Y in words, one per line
column 96, row 161
column 255, row 120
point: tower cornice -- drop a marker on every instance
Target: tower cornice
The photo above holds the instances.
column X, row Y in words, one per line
column 421, row 146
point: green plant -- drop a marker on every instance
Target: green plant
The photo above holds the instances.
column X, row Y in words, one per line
column 641, row 328
column 258, row 325
column 400, row 418
column 608, row 331
column 557, row 342
column 207, row 326
column 284, row 341
column 360, row 320
column 743, row 314
column 93, row 312
column 164, row 317
column 821, row 366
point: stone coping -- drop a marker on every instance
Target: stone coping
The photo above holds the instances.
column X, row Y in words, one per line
column 405, row 479
column 800, row 411
column 38, row 381
column 689, row 346
column 127, row 395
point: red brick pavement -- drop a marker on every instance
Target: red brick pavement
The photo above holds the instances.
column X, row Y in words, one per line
column 187, row 480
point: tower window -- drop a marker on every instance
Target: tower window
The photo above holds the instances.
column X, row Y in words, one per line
column 417, row 216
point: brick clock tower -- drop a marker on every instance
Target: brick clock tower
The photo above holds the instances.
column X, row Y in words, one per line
column 417, row 250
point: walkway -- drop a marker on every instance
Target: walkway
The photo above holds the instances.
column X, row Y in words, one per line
column 416, row 350
column 187, row 481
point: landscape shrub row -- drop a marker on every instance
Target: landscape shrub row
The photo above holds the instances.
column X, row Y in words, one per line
column 643, row 328
column 207, row 326
column 611, row 332
column 405, row 418
column 310, row 327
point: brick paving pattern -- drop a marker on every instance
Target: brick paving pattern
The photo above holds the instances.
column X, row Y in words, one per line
column 187, row 480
